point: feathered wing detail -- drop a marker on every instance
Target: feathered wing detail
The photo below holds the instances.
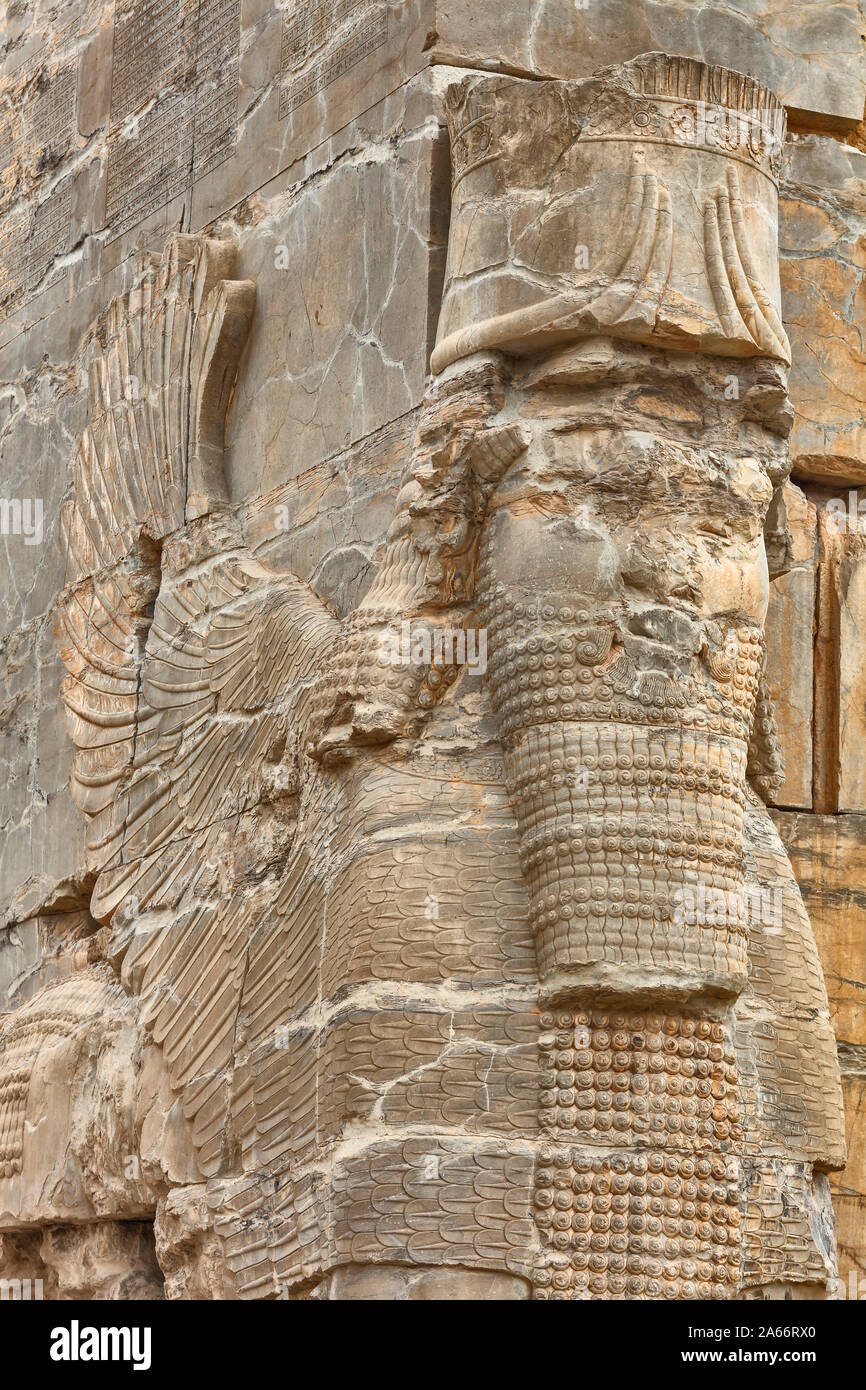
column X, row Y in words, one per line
column 186, row 663
column 229, row 654
column 161, row 362
column 102, row 625
column 228, row 660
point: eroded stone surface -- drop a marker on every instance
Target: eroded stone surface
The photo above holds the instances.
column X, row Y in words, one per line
column 823, row 250
column 810, row 57
column 827, row 853
column 840, row 667
column 790, row 650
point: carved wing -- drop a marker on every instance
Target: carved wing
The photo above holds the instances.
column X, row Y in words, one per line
column 186, row 664
column 161, row 365
column 228, row 657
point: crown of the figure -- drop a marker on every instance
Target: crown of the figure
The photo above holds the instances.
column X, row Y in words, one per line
column 655, row 98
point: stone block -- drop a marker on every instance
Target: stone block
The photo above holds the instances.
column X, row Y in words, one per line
column 822, row 245
column 790, row 676
column 849, row 1190
column 840, row 662
column 810, row 56
column 828, row 854
column 384, row 712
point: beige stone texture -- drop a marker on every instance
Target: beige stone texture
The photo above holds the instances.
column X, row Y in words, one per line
column 556, row 237
column 790, row 643
column 840, row 663
column 822, row 242
column 233, row 748
column 809, row 55
column 828, row 854
column 849, row 1191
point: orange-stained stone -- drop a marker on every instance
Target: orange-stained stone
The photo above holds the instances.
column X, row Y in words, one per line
column 822, row 235
column 849, row 1190
column 839, row 780
column 829, row 856
column 790, row 619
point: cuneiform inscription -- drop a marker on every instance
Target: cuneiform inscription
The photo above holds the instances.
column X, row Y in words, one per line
column 53, row 116
column 36, row 129
column 49, row 230
column 216, row 91
column 365, row 39
column 29, row 243
column 38, row 121
column 182, row 57
column 150, row 167
column 312, row 23
column 13, row 239
column 148, row 52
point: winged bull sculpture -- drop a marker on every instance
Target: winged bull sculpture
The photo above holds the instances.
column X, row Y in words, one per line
column 451, row 976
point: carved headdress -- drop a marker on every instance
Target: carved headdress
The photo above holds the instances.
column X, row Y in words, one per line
column 640, row 203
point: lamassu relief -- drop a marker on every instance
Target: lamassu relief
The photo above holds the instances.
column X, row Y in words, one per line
column 425, row 671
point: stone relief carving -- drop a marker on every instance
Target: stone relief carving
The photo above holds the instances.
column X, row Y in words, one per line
column 579, row 216
column 473, row 982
